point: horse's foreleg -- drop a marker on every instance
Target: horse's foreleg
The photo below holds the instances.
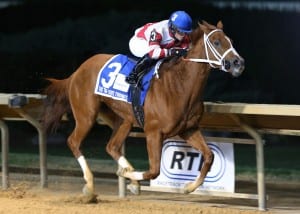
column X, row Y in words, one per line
column 154, row 146
column 195, row 139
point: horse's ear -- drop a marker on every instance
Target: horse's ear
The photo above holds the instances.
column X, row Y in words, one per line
column 205, row 23
column 203, row 26
column 220, row 25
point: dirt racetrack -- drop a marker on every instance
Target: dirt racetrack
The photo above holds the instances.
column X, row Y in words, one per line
column 63, row 195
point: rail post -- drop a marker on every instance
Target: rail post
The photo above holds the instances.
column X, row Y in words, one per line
column 261, row 189
column 42, row 145
column 4, row 141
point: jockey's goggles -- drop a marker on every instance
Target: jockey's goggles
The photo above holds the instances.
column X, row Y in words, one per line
column 180, row 32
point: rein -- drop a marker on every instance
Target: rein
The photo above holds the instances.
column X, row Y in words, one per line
column 217, row 55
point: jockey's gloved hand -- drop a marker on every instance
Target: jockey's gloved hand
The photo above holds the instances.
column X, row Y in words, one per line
column 177, row 52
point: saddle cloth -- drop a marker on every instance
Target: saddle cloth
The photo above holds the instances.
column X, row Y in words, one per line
column 111, row 79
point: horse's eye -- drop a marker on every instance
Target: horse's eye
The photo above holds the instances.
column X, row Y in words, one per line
column 217, row 43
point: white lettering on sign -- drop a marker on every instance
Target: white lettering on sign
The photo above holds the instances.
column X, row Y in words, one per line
column 180, row 163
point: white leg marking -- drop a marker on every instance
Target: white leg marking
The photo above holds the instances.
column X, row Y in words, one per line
column 138, row 176
column 132, row 175
column 84, row 167
column 83, row 163
column 124, row 163
column 88, row 189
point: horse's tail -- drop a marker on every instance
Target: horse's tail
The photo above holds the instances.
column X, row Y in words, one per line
column 56, row 103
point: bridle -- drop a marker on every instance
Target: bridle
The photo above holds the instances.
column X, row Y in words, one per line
column 219, row 58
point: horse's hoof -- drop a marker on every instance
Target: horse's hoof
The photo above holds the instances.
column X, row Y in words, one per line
column 87, row 191
column 185, row 191
column 88, row 199
column 134, row 188
column 188, row 188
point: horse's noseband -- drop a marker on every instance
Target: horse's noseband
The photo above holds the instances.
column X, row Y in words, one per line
column 220, row 59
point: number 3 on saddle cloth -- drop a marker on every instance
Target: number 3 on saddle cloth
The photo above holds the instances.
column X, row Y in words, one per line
column 111, row 83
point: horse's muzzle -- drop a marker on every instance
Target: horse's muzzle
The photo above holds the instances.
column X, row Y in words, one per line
column 235, row 65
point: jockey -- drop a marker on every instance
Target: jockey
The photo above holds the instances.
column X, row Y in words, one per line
column 158, row 40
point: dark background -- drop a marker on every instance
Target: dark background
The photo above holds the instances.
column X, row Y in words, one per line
column 41, row 39
column 51, row 38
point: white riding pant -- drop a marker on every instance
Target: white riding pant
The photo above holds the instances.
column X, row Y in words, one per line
column 138, row 46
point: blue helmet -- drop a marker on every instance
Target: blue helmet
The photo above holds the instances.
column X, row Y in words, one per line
column 180, row 21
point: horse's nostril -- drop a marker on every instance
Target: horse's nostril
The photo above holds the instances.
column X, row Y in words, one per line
column 226, row 64
column 237, row 63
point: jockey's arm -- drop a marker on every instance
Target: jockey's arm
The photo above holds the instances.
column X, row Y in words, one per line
column 156, row 51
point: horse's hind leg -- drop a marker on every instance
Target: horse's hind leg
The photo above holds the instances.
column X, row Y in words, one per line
column 84, row 120
column 74, row 142
column 195, row 139
column 121, row 130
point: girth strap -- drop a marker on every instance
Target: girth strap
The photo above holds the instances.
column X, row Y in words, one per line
column 138, row 110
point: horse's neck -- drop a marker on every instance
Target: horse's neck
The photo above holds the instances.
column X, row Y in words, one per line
column 194, row 75
column 184, row 81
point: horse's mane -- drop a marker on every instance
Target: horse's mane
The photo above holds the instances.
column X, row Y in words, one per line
column 196, row 34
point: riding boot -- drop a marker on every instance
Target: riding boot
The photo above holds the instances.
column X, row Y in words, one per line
column 144, row 63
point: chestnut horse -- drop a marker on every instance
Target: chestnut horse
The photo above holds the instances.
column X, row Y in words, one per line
column 173, row 105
